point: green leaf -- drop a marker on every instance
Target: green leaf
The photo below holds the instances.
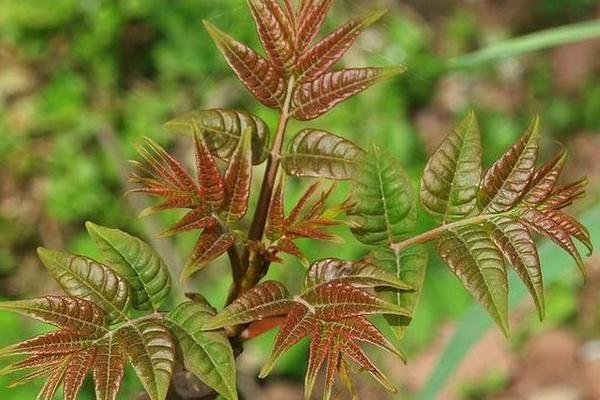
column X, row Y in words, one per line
column 478, row 264
column 208, row 355
column 135, row 261
column 83, row 277
column 222, row 129
column 151, row 351
column 410, row 266
column 384, row 205
column 317, row 153
column 450, row 181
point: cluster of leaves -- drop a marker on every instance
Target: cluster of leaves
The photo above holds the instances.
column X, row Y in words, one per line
column 305, row 221
column 488, row 218
column 287, row 34
column 331, row 310
column 215, row 201
column 97, row 333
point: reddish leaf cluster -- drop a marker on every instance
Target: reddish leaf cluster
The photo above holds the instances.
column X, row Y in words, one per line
column 306, row 220
column 65, row 356
column 297, row 73
column 331, row 310
column 214, row 200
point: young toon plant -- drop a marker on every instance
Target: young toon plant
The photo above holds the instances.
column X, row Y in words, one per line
column 486, row 223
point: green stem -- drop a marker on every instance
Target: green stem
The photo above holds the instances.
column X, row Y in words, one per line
column 434, row 233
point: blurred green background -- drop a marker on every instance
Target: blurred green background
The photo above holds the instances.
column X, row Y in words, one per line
column 82, row 81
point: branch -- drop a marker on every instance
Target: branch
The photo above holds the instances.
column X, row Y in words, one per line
column 434, row 233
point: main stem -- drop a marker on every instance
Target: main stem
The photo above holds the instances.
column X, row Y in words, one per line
column 253, row 267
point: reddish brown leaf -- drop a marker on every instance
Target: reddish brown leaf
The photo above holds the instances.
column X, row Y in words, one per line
column 335, row 300
column 505, row 182
column 312, row 16
column 53, row 343
column 572, row 227
column 299, row 323
column 36, row 361
column 565, row 195
column 261, row 79
column 164, row 177
column 548, row 227
column 237, row 180
column 276, row 33
column 321, row 95
column 196, row 219
column 323, row 55
column 276, row 220
column 515, row 241
column 360, row 274
column 302, row 203
column 544, row 179
column 108, row 368
column 320, row 345
column 266, row 300
column 77, row 368
column 209, row 177
column 333, row 360
column 209, row 246
column 289, row 247
column 55, row 379
column 358, row 356
column 74, row 314
column 359, row 328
